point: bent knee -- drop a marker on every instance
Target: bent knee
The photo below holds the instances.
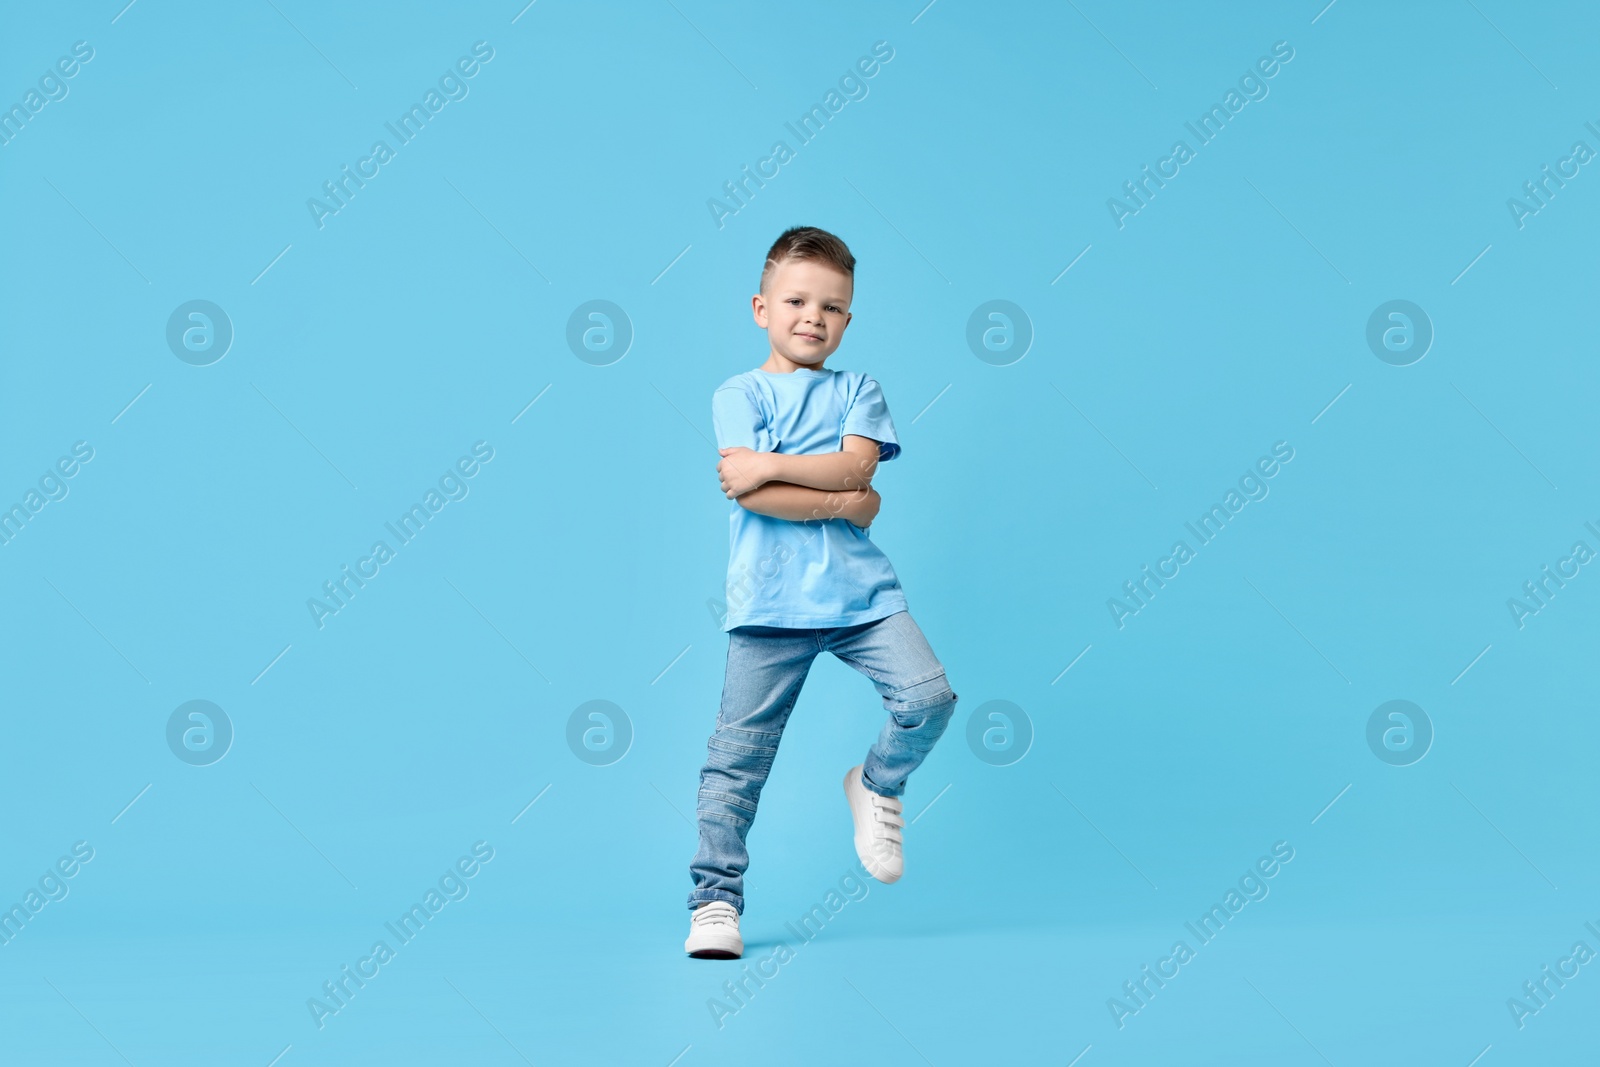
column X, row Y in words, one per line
column 930, row 696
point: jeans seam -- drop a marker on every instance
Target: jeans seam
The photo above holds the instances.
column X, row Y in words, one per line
column 863, row 668
column 926, row 702
column 725, row 816
column 742, row 747
column 917, row 705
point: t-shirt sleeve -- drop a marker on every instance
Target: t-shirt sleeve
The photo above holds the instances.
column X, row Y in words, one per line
column 868, row 416
column 736, row 420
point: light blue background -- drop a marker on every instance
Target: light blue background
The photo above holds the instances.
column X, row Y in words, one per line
column 370, row 354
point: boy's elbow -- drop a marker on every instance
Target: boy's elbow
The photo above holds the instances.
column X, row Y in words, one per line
column 863, row 462
column 862, row 476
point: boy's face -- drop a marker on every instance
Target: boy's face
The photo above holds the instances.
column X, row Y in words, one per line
column 804, row 309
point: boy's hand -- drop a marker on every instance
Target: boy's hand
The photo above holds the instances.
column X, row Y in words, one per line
column 741, row 469
column 861, row 512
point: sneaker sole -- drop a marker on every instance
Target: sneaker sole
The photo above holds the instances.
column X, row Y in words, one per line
column 886, row 880
column 717, row 946
column 715, row 954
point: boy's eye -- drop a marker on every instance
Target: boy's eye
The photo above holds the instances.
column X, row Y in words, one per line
column 833, row 307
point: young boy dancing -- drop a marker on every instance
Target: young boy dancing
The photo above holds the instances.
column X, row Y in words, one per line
column 800, row 445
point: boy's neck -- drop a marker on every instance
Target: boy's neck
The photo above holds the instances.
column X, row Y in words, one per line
column 779, row 364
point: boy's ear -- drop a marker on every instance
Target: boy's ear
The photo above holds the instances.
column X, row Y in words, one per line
column 758, row 308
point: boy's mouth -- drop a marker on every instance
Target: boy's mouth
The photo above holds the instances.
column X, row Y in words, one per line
column 808, row 336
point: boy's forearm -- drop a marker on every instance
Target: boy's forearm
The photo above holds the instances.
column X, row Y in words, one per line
column 831, row 471
column 801, row 503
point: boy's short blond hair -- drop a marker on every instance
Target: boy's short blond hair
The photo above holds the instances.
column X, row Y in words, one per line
column 808, row 242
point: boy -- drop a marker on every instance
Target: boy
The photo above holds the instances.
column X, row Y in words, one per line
column 800, row 445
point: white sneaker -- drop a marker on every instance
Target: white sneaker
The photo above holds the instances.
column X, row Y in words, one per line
column 878, row 824
column 714, row 932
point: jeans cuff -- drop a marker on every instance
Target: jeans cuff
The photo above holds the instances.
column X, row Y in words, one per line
column 706, row 896
column 866, row 784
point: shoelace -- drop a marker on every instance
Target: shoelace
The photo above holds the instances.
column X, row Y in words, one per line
column 717, row 913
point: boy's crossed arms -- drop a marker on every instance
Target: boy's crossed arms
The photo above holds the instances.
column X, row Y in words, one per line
column 826, row 485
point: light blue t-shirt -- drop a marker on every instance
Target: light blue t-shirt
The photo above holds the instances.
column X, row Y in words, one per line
column 822, row 572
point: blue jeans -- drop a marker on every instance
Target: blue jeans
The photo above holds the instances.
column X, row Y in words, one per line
column 766, row 667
